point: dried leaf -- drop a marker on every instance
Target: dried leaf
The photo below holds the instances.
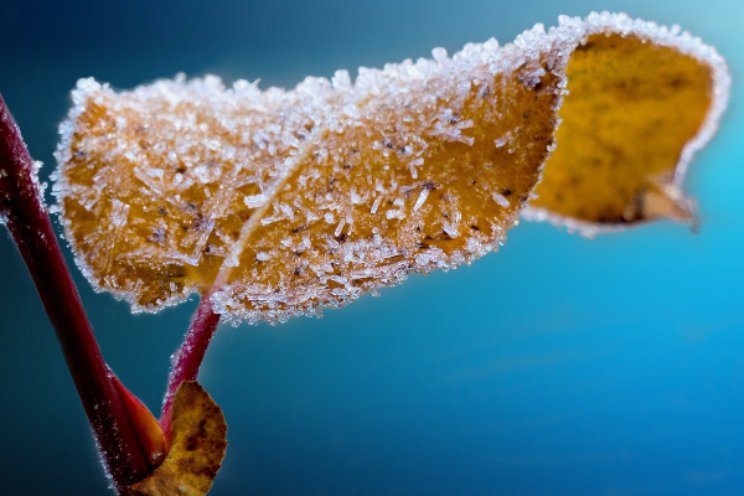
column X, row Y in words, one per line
column 628, row 129
column 198, row 444
column 281, row 202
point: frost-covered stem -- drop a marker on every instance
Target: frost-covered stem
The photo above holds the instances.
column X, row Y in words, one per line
column 27, row 220
column 188, row 358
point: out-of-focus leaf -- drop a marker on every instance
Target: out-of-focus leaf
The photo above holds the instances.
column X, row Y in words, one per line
column 197, row 447
column 632, row 108
column 280, row 202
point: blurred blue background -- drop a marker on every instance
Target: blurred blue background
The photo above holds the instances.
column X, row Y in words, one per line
column 558, row 366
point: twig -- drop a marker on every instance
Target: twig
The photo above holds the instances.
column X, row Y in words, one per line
column 22, row 209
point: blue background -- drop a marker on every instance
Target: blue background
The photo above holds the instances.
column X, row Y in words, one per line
column 558, row 366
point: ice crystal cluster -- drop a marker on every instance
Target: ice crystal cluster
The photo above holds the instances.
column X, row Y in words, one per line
column 279, row 202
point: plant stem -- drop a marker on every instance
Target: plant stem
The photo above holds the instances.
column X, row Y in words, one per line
column 26, row 218
column 188, row 358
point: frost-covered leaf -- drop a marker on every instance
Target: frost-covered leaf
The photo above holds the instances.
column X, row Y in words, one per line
column 280, row 202
column 197, row 447
column 290, row 200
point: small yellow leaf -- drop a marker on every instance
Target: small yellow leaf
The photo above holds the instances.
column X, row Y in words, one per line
column 277, row 203
column 197, row 447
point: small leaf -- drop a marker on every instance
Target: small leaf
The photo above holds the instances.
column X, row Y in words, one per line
column 280, row 202
column 197, row 447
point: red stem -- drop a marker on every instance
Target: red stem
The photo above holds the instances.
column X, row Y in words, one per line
column 22, row 210
column 188, row 358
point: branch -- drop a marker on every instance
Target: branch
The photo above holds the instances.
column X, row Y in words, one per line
column 188, row 358
column 22, row 209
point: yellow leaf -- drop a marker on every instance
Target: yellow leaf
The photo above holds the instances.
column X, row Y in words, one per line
column 197, row 447
column 277, row 203
column 632, row 109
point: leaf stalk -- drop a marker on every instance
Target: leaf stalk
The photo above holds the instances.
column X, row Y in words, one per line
column 188, row 358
